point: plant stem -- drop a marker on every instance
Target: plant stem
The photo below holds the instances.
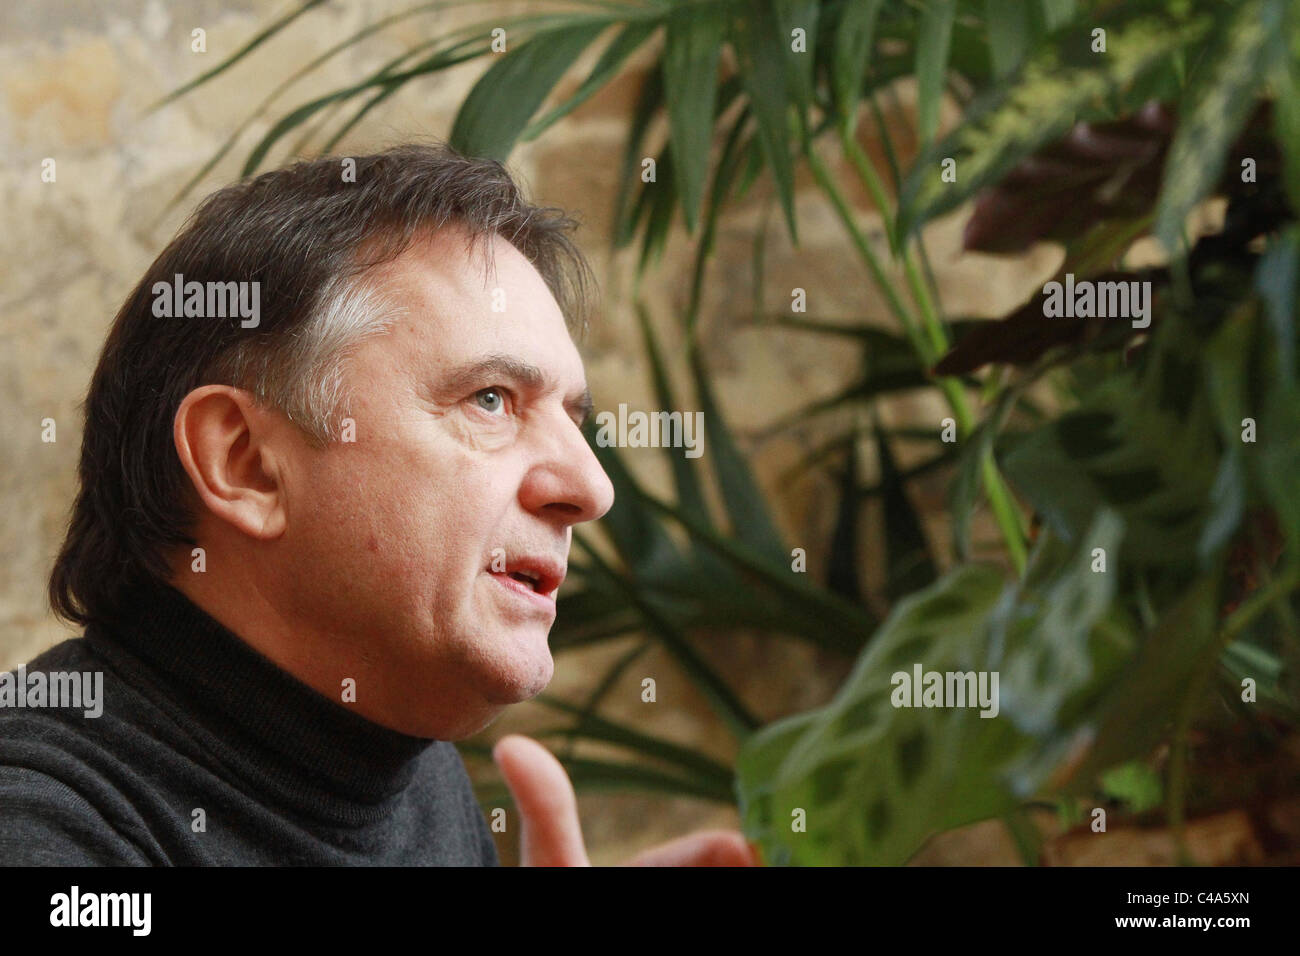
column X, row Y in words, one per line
column 929, row 315
column 864, row 249
column 929, row 342
column 1005, row 511
column 867, row 173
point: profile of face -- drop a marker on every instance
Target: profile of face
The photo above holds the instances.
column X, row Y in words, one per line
column 424, row 556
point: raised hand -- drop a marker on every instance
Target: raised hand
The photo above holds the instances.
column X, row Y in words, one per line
column 552, row 834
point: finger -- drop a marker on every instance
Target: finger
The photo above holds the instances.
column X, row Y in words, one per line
column 704, row 848
column 551, row 832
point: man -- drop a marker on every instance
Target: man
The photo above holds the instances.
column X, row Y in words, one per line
column 330, row 468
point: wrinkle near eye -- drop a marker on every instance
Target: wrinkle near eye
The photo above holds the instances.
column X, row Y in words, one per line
column 467, row 436
column 478, row 430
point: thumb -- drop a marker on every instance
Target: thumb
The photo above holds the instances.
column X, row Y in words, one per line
column 552, row 835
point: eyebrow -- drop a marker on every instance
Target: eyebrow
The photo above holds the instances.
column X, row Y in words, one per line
column 479, row 373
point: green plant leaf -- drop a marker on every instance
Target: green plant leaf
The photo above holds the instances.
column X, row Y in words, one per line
column 964, row 490
column 877, row 778
column 809, row 611
column 878, row 382
column 1139, row 706
column 1057, row 13
column 815, row 762
column 688, row 761
column 1277, row 280
column 736, row 151
column 799, row 67
column 1227, row 505
column 1010, row 34
column 1247, row 376
column 637, row 536
column 885, row 347
column 747, row 511
column 686, row 480
column 714, row 688
column 383, row 78
column 504, row 99
column 298, row 74
column 659, row 201
column 934, row 35
column 258, row 39
column 834, row 446
column 854, row 35
column 1142, row 443
column 759, row 47
column 889, row 364
column 842, row 560
column 1217, row 106
column 1243, row 658
column 1058, row 83
column 591, row 615
column 602, row 688
column 375, row 100
column 908, row 564
column 626, row 210
column 600, row 775
column 1136, row 784
column 628, row 41
column 1286, row 106
column 690, row 81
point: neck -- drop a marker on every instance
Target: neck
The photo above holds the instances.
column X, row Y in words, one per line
column 254, row 718
column 347, row 661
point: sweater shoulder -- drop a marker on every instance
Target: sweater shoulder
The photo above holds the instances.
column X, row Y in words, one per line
column 63, row 801
column 47, row 822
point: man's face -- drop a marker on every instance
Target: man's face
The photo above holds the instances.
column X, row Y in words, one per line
column 468, row 458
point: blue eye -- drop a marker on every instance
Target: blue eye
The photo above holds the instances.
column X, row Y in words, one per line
column 490, row 399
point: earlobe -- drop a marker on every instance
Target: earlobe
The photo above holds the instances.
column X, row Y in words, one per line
column 223, row 440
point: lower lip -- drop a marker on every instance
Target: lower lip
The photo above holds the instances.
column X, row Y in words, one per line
column 524, row 592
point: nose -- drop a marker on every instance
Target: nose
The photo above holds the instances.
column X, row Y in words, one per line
column 566, row 483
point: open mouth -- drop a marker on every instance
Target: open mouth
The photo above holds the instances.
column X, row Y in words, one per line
column 524, row 577
column 539, row 575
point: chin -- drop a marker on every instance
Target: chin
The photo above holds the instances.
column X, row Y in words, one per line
column 524, row 676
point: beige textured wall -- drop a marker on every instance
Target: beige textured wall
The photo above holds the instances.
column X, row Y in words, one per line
column 76, row 79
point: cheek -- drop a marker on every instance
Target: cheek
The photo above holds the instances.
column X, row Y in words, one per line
column 436, row 511
column 423, row 500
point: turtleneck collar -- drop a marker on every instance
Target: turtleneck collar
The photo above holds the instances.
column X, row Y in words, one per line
column 258, row 721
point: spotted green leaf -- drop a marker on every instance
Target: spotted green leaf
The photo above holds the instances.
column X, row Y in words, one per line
column 869, row 781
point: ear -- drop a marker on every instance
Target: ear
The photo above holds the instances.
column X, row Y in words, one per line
column 224, row 443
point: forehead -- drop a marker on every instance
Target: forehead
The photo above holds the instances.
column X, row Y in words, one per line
column 461, row 301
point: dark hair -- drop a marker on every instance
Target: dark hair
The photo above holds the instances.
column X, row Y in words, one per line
column 307, row 234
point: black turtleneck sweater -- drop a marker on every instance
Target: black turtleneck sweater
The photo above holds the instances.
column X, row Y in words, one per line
column 195, row 719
